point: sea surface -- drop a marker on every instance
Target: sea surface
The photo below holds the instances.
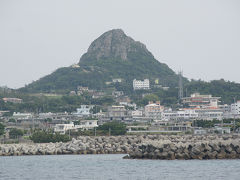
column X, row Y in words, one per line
column 58, row 167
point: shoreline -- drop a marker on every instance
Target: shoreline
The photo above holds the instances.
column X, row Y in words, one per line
column 167, row 147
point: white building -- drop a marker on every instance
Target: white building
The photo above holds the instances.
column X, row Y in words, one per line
column 136, row 113
column 84, row 110
column 235, row 108
column 138, row 84
column 200, row 131
column 87, row 124
column 117, row 80
column 117, row 111
column 62, row 128
column 187, row 114
column 21, row 116
column 209, row 113
column 83, row 124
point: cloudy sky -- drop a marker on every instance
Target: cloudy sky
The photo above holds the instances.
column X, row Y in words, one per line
column 201, row 37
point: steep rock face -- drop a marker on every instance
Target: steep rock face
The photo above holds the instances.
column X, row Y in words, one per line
column 113, row 44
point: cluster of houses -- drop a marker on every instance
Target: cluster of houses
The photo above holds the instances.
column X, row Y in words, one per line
column 151, row 118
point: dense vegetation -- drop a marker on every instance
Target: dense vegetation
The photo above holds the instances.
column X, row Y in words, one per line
column 46, row 137
column 228, row 91
column 113, row 128
column 1, row 129
column 15, row 133
column 42, row 103
column 210, row 124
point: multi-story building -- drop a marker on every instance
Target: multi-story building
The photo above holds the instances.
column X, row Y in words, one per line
column 209, row 113
column 153, row 110
column 138, row 84
column 197, row 100
column 83, row 125
column 12, row 100
column 117, row 93
column 83, row 111
column 57, row 118
column 62, row 128
column 21, row 116
column 235, row 108
column 87, row 124
column 186, row 114
column 117, row 112
column 136, row 113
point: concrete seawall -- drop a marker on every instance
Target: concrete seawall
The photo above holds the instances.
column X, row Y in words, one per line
column 139, row 147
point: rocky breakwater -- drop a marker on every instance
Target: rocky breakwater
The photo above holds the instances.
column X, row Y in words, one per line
column 188, row 147
column 81, row 145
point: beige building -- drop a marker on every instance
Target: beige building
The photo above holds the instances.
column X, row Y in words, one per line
column 198, row 100
column 117, row 111
column 12, row 100
column 153, row 110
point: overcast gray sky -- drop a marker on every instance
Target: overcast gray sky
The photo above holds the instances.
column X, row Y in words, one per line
column 202, row 37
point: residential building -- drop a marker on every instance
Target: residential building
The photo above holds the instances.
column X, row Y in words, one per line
column 21, row 116
column 210, row 113
column 98, row 94
column 117, row 112
column 12, row 100
column 81, row 90
column 75, row 66
column 117, row 80
column 83, row 125
column 186, row 114
column 197, row 100
column 62, row 128
column 117, row 93
column 87, row 124
column 235, row 108
column 138, row 84
column 136, row 113
column 199, row 131
column 72, row 93
column 83, row 111
column 2, row 112
column 153, row 110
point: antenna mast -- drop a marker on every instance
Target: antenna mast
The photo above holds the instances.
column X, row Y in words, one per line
column 180, row 84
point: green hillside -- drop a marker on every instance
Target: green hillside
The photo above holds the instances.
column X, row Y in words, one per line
column 112, row 55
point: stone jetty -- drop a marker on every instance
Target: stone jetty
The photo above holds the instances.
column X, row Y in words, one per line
column 137, row 146
column 188, row 147
column 81, row 145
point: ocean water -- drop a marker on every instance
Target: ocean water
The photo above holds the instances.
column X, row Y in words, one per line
column 58, row 167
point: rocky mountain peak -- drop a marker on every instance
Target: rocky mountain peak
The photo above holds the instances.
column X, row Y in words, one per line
column 113, row 44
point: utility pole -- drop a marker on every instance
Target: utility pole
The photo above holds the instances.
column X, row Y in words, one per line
column 95, row 133
column 234, row 116
column 109, row 132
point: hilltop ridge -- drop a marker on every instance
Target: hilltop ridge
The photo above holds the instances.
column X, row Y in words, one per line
column 111, row 55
